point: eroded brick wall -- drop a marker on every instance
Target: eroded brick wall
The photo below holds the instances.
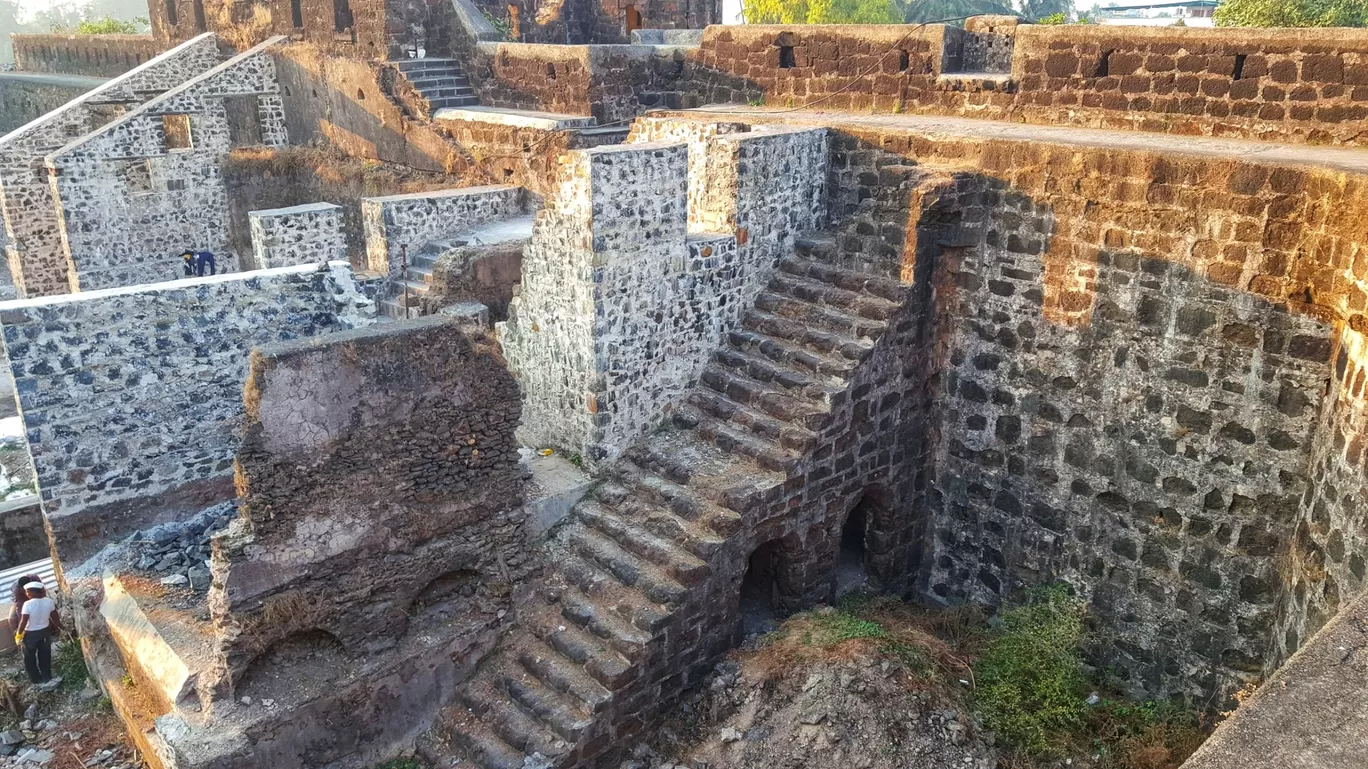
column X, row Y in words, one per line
column 440, row 409
column 131, row 398
column 94, row 55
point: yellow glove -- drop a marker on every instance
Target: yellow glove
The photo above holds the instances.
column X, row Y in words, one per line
column 18, row 639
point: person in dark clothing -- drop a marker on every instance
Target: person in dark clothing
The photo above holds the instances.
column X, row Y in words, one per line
column 188, row 263
column 205, row 261
column 17, row 598
column 38, row 624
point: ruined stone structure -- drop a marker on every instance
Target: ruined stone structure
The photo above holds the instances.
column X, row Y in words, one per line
column 965, row 310
column 309, row 233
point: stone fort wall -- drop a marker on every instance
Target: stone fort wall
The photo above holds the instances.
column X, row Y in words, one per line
column 132, row 397
column 160, row 166
column 1173, row 502
column 93, row 55
column 34, row 249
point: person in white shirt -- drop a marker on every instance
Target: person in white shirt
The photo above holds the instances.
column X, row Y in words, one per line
column 37, row 624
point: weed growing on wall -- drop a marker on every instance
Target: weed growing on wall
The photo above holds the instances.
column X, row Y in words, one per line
column 69, row 663
column 1030, row 678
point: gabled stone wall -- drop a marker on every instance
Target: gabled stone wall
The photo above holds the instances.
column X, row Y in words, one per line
column 131, row 396
column 133, row 195
column 303, row 234
column 37, row 259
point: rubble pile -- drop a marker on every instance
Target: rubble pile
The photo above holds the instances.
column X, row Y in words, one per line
column 178, row 553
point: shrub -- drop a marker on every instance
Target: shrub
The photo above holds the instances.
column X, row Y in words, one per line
column 1054, row 18
column 1030, row 679
column 1292, row 13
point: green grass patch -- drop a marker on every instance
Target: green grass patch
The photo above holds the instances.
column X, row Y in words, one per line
column 401, row 763
column 69, row 662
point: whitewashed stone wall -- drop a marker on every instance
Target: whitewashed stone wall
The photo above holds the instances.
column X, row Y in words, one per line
column 33, row 242
column 129, row 393
column 619, row 308
column 305, row 234
column 130, row 205
column 416, row 219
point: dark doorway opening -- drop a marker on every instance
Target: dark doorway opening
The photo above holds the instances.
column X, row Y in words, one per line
column 200, row 24
column 171, row 16
column 760, row 591
column 296, row 15
column 342, row 15
column 633, row 20
column 852, row 560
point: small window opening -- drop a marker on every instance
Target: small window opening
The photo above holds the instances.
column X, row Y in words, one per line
column 1104, row 64
column 137, row 176
column 508, row 173
column 176, row 129
column 903, row 61
column 360, row 95
column 171, row 13
column 633, row 18
column 1239, row 67
column 786, row 57
column 550, row 71
column 296, row 14
column 175, row 185
column 514, row 28
column 200, row 23
column 852, row 565
column 759, row 590
column 342, row 15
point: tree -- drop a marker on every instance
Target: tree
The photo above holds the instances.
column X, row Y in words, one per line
column 1292, row 13
column 1035, row 10
column 820, row 12
column 915, row 11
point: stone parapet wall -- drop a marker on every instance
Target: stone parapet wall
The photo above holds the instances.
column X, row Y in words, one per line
column 611, row 82
column 131, row 397
column 303, row 234
column 1277, row 84
column 93, row 55
column 26, row 98
column 37, row 257
column 413, row 220
column 145, row 187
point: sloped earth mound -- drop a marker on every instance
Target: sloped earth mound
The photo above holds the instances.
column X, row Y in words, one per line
column 829, row 690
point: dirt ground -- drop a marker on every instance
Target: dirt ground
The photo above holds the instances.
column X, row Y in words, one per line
column 71, row 728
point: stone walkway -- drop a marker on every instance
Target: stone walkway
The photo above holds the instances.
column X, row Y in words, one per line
column 1342, row 159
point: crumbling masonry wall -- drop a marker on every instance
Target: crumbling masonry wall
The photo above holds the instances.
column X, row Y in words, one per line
column 131, row 397
column 37, row 259
column 143, row 188
column 381, row 499
column 303, row 234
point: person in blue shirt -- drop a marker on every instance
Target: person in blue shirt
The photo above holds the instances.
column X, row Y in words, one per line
column 205, row 261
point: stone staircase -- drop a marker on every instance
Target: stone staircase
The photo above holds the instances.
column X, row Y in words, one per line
column 407, row 297
column 441, row 82
column 633, row 558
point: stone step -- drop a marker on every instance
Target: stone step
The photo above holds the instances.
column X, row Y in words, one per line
column 578, row 645
column 562, row 674
column 428, row 80
column 420, row 273
column 826, row 294
column 664, row 459
column 825, row 318
column 447, row 102
column 647, row 511
column 646, row 577
column 392, row 308
column 680, row 564
column 603, row 621
column 815, row 248
column 736, row 440
column 852, row 281
column 418, row 287
column 793, row 355
column 801, row 333
column 816, row 389
column 680, row 500
column 511, row 724
column 565, row 717
column 446, row 92
column 787, row 435
column 608, row 590
column 431, row 62
column 794, row 406
column 483, row 746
